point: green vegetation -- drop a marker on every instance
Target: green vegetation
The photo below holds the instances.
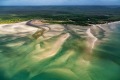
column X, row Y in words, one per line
column 77, row 19
column 79, row 15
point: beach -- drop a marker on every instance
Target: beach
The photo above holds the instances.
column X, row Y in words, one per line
column 70, row 52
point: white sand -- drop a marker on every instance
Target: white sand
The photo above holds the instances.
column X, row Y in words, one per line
column 92, row 39
column 54, row 48
column 17, row 29
column 106, row 27
column 21, row 29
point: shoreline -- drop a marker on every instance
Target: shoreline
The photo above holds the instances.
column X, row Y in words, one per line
column 105, row 27
column 54, row 49
column 94, row 39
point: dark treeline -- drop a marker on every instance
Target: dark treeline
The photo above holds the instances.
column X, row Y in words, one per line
column 80, row 15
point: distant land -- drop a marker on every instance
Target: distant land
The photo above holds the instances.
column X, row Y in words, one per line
column 68, row 9
column 79, row 15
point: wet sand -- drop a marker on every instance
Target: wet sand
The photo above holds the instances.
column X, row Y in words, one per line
column 59, row 55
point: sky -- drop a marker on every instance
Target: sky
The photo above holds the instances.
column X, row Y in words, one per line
column 59, row 2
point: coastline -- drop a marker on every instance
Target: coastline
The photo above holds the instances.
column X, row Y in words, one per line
column 92, row 39
column 35, row 52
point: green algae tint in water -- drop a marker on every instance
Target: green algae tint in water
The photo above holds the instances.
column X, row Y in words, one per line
column 107, row 55
column 17, row 62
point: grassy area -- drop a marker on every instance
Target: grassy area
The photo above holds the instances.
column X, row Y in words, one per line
column 76, row 19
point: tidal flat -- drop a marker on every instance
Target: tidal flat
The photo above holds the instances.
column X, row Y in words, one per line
column 63, row 52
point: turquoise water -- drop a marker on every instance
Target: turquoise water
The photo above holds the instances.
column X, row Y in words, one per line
column 72, row 62
column 107, row 64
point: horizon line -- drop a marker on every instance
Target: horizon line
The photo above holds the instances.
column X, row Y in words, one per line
column 59, row 5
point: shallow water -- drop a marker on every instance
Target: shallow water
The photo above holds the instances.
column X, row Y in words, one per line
column 72, row 62
column 107, row 64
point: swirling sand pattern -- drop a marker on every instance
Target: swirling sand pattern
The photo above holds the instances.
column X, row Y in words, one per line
column 61, row 55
